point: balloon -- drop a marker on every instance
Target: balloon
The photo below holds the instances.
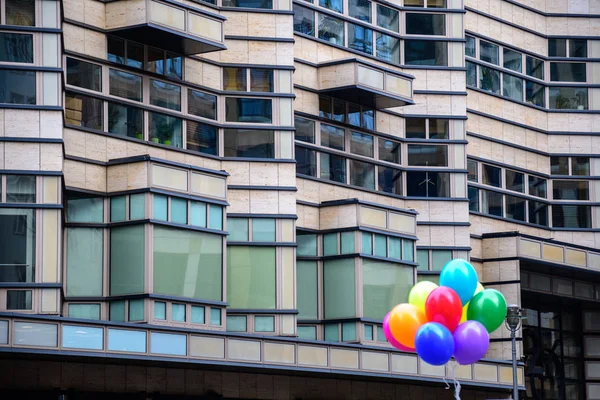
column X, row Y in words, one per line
column 434, row 343
column 405, row 321
column 471, row 341
column 489, row 308
column 443, row 306
column 418, row 294
column 390, row 337
column 461, row 277
column 465, row 308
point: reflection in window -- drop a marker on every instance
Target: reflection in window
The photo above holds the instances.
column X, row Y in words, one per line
column 389, row 150
column 538, row 213
column 249, row 143
column 18, row 300
column 251, row 277
column 570, row 190
column 265, row 4
column 125, row 120
column 535, row 94
column 248, row 110
column 360, row 9
column 165, row 129
column 127, row 340
column 512, row 87
column 305, row 129
column 20, row 12
column 304, row 20
column 473, row 173
column 471, row 74
column 515, row 208
column 571, row 216
column 567, row 72
column 515, row 181
column 491, row 203
column 425, row 24
column 332, row 137
column 388, row 48
column 306, row 161
column 438, row 128
column 557, row 47
column 163, row 94
column 389, row 180
column 489, row 52
column 428, row 155
column 362, row 174
column 470, row 50
column 261, row 80
column 166, row 343
column 124, row 84
column 17, row 245
column 534, row 67
column 202, row 104
column 568, row 98
column 84, row 111
column 164, row 63
column 331, row 29
column 17, row 87
column 361, row 144
column 537, row 186
column 580, row 166
column 84, row 311
column 491, row 175
column 513, row 60
column 127, row 260
column 236, row 323
column 427, row 184
column 425, row 52
column 473, row 194
column 201, row 138
column 335, row 5
column 84, row 74
column 333, row 168
column 387, row 18
column 235, row 79
column 577, row 48
column 489, row 80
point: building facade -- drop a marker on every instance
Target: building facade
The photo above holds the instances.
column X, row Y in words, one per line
column 234, row 217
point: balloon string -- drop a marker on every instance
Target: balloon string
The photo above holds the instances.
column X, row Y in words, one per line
column 456, row 383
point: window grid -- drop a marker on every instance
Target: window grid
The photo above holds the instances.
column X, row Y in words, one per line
column 195, row 315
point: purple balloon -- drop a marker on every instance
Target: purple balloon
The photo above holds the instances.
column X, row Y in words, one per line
column 471, row 341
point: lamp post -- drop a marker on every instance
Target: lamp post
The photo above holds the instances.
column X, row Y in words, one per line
column 513, row 322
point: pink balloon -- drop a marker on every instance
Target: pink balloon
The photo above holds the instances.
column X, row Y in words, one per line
column 390, row 337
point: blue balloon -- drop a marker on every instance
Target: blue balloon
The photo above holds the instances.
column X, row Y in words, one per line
column 461, row 277
column 434, row 343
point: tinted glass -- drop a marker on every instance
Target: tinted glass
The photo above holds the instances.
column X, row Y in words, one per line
column 425, row 52
column 425, row 24
column 387, row 18
column 389, row 180
column 538, row 213
column 515, row 208
column 513, row 60
column 473, row 173
column 512, row 87
column 304, row 20
column 389, row 150
column 202, row 104
column 360, row 38
column 333, row 168
column 473, row 194
column 426, row 155
column 17, row 87
column 163, row 94
column 235, row 79
column 335, row 5
column 570, row 190
column 261, row 80
column 83, row 74
column 249, row 143
column 470, row 46
column 580, row 166
column 491, row 203
column 388, row 48
column 537, row 186
column 577, row 48
column 332, row 137
column 20, row 12
column 360, row 9
column 491, row 175
column 202, row 138
column 126, row 85
column 16, row 47
column 331, row 29
column 471, row 74
column 557, row 47
column 489, row 80
column 362, row 174
column 568, row 72
column 489, row 52
column 571, row 216
column 438, row 128
column 248, row 110
column 306, row 161
column 361, row 144
column 559, row 165
column 415, row 128
column 248, row 3
column 535, row 94
column 305, row 129
column 534, row 67
column 427, row 184
column 125, row 120
column 515, row 181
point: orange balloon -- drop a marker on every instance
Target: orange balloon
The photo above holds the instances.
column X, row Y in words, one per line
column 405, row 321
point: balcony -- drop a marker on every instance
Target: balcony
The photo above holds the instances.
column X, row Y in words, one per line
column 183, row 30
column 365, row 84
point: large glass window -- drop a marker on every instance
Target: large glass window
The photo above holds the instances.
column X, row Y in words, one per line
column 304, row 20
column 384, row 286
column 512, row 87
column 388, row 48
column 82, row 208
column 388, row 18
column 202, row 104
column 305, row 129
column 538, row 213
column 17, row 245
column 489, row 80
column 362, row 174
column 165, row 129
column 20, row 189
column 570, row 190
column 251, row 277
column 335, row 5
column 491, row 203
column 513, row 60
column 83, row 74
column 568, row 72
column 515, row 208
column 360, row 38
column 571, row 216
column 127, row 260
column 425, row 52
column 333, row 167
column 84, row 261
column 187, row 263
column 332, row 137
column 201, row 138
column 489, row 52
column 361, row 144
column 249, row 143
column 331, row 29
column 84, row 111
column 124, row 84
column 537, row 186
column 248, row 110
column 166, row 95
column 17, row 87
column 535, row 94
column 360, row 9
column 306, row 161
column 428, row 155
column 20, row 12
column 534, row 67
column 425, row 24
column 389, row 150
column 427, row 184
column 125, row 120
column 339, row 289
column 307, row 289
column 568, row 98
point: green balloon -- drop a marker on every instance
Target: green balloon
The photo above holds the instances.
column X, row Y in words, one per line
column 489, row 308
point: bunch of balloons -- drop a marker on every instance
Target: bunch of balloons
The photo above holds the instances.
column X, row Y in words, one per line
column 453, row 319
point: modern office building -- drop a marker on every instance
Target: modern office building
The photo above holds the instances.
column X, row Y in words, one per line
column 223, row 198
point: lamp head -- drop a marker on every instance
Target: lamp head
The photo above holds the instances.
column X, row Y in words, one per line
column 513, row 316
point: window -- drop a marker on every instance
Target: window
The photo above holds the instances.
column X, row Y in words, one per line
column 577, row 48
column 438, row 128
column 164, row 63
column 238, row 229
column 341, row 111
column 537, row 186
column 535, row 94
column 491, row 203
column 84, row 311
column 361, row 144
column 18, row 300
column 425, row 52
column 473, row 194
column 388, row 48
column 17, row 245
column 16, row 47
column 339, row 290
column 332, row 137
column 160, row 310
column 491, row 175
column 305, row 129
column 428, row 155
column 439, row 258
column 268, row 4
column 261, row 80
column 557, row 47
column 82, row 208
column 127, row 260
column 513, row 60
column 360, row 9
column 198, row 315
column 235, row 79
column 165, row 129
column 512, row 87
column 360, row 38
column 489, row 52
column 306, row 161
column 571, row 216
column 307, row 332
column 471, row 74
column 126, row 85
column 534, row 67
column 335, row 5
column 249, row 143
column 470, row 46
column 580, row 166
column 215, row 316
column 333, row 168
column 538, row 213
column 567, row 47
column 166, row 95
column 132, row 54
column 489, row 80
column 425, row 24
column 263, row 230
column 85, row 253
column 427, row 184
column 248, row 110
column 236, row 323
column 387, row 18
column 384, row 285
column 125, row 120
column 307, row 284
column 559, row 165
column 178, row 312
column 515, row 208
column 570, row 190
column 20, row 188
column 331, row 29
column 202, row 104
column 515, row 181
column 307, row 244
column 473, row 173
column 389, row 150
column 20, row 12
column 362, row 174
column 251, row 277
column 304, row 20
column 568, row 98
column 17, row 87
column 567, row 72
column 201, row 138
column 84, row 111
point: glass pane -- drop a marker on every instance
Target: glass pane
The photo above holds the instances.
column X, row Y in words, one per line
column 307, row 332
column 333, row 168
column 362, row 174
column 215, row 217
column 473, row 199
column 577, row 48
column 136, row 310
column 570, row 190
column 201, row 138
column 160, row 310
column 118, row 208
column 395, row 248
column 332, row 137
column 165, row 130
column 423, row 260
column 361, row 144
column 85, row 251
column 307, row 244
column 438, row 128
column 387, row 18
column 513, row 60
column 491, row 175
column 84, row 111
column 489, row 52
column 330, row 244
column 264, row 324
column 167, row 343
column 428, row 184
column 408, row 250
column 251, row 277
column 347, row 242
column 380, row 245
column 35, row 334
column 537, row 186
column 384, row 286
column 491, row 203
column 331, row 29
column 261, row 80
column 198, row 214
column 360, row 38
column 84, row 311
column 79, row 73
column 249, row 143
column 306, row 161
column 332, row 333
column 117, row 311
column 126, row 340
column 439, row 258
column 215, row 316
column 304, row 20
column 427, row 155
column 160, row 207
column 580, row 166
column 368, row 332
column 425, row 52
column 470, row 46
column 568, row 72
column 534, row 67
column 178, row 210
column 535, row 94
column 202, row 104
column 17, row 245
column 367, row 243
column 360, row 9
column 126, row 85
column 489, row 80
column 18, row 300
column 178, row 312
column 415, row 128
column 335, row 5
column 568, row 98
column 115, row 49
column 263, row 230
column 125, row 121
column 137, row 204
column 305, row 129
column 339, row 289
column 557, row 47
column 127, row 260
column 187, row 263
column 238, row 229
column 515, row 208
column 166, row 95
column 389, row 150
column 425, row 24
column 235, row 79
column 471, row 74
column 20, row 12
column 571, row 216
column 20, row 189
column 348, row 331
column 515, row 181
column 559, row 165
column 24, row 93
column 512, row 87
column 198, row 315
column 538, row 213
column 248, row 110
column 236, row 323
column 307, row 289
column 472, row 168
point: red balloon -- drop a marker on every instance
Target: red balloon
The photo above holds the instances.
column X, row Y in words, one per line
column 443, row 306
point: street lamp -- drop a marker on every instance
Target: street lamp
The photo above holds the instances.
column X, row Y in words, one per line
column 513, row 322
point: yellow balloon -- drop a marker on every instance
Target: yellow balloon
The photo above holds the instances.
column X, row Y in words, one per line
column 466, row 307
column 419, row 293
